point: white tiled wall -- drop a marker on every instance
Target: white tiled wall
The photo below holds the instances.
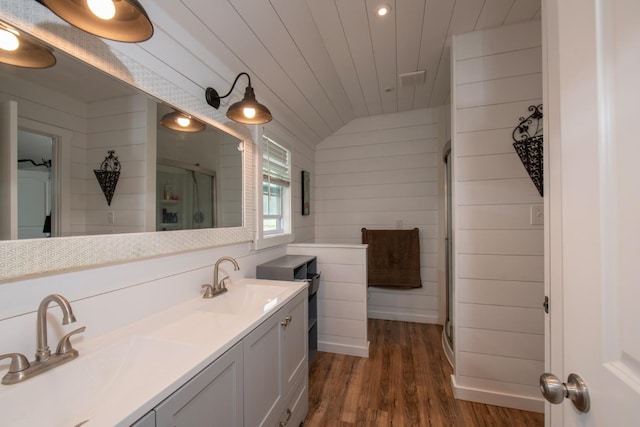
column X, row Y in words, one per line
column 499, row 260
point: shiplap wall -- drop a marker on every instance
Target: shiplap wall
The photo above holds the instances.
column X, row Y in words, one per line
column 342, row 296
column 229, row 177
column 119, row 124
column 499, row 263
column 48, row 112
column 381, row 172
column 87, row 133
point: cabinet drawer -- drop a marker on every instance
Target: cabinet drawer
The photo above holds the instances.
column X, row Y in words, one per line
column 212, row 397
column 296, row 405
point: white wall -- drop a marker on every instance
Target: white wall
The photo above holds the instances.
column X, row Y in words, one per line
column 108, row 297
column 342, row 296
column 119, row 124
column 499, row 265
column 381, row 172
column 85, row 133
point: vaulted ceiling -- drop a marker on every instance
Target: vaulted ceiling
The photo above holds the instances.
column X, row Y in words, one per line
column 318, row 64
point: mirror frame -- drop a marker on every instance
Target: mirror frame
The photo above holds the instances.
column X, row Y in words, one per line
column 21, row 259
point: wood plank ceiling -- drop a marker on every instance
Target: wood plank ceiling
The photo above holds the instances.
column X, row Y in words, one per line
column 318, row 64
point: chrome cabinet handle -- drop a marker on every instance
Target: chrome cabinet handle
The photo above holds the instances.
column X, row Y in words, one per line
column 289, row 412
column 575, row 389
column 286, row 321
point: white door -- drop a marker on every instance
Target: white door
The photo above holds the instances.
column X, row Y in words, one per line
column 34, row 202
column 591, row 106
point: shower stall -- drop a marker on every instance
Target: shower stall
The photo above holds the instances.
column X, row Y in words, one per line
column 185, row 197
column 447, row 332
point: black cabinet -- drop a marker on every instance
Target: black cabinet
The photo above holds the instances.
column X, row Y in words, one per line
column 296, row 268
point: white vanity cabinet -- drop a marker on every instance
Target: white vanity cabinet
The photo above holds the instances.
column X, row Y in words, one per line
column 275, row 368
column 213, row 395
column 260, row 381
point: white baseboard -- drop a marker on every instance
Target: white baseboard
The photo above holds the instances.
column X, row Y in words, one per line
column 487, row 397
column 403, row 317
column 350, row 350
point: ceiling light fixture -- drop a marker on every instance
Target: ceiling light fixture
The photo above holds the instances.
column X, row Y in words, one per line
column 119, row 20
column 181, row 122
column 23, row 51
column 383, row 10
column 248, row 111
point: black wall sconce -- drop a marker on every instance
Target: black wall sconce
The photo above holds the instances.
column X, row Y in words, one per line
column 248, row 111
column 528, row 144
column 108, row 175
column 181, row 122
column 23, row 51
column 119, row 20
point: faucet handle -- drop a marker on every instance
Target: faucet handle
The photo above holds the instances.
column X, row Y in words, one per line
column 64, row 346
column 18, row 362
column 222, row 285
column 208, row 291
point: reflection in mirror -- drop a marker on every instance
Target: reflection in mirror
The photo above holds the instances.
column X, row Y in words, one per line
column 67, row 118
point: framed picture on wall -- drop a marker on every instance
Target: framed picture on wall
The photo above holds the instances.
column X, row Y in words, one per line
column 306, row 193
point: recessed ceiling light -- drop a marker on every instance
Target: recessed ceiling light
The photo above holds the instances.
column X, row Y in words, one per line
column 383, row 9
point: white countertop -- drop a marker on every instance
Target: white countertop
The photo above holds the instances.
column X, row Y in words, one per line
column 122, row 375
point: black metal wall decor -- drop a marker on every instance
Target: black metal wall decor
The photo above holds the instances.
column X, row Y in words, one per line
column 108, row 175
column 528, row 144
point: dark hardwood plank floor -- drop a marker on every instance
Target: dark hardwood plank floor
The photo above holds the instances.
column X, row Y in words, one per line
column 406, row 381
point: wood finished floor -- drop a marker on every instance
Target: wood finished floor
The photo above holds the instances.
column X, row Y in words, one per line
column 404, row 382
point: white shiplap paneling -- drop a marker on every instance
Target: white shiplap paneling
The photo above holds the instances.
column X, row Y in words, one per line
column 342, row 296
column 499, row 262
column 378, row 172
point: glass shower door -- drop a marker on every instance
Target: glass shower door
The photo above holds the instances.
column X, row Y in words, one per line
column 448, row 326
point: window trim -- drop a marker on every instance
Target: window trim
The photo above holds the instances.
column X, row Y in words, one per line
column 268, row 240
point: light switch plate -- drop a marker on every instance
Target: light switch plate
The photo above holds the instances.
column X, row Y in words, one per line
column 536, row 215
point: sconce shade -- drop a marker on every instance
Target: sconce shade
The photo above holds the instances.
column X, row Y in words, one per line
column 29, row 53
column 238, row 112
column 130, row 22
column 174, row 119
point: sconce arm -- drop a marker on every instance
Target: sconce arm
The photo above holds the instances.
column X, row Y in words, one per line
column 213, row 98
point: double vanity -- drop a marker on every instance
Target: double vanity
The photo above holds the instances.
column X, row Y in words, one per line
column 240, row 359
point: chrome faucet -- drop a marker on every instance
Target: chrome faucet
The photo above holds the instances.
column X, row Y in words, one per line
column 20, row 368
column 219, row 287
column 43, row 353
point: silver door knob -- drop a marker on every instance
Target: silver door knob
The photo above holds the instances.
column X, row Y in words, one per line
column 575, row 389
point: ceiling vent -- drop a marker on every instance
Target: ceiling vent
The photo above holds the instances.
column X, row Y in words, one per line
column 413, row 78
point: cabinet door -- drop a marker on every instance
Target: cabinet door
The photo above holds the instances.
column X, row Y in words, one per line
column 149, row 420
column 263, row 386
column 212, row 397
column 294, row 347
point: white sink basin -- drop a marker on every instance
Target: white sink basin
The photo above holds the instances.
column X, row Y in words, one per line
column 244, row 299
column 73, row 393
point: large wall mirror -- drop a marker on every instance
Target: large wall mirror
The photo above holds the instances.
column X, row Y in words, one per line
column 67, row 126
column 176, row 190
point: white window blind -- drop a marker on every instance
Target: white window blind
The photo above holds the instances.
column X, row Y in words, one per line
column 275, row 163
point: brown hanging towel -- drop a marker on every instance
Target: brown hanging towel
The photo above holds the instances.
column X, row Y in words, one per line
column 393, row 257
